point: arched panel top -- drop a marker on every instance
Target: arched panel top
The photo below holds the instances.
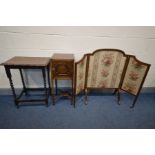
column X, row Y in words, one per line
column 82, row 59
column 137, row 60
column 107, row 50
column 105, row 68
column 135, row 75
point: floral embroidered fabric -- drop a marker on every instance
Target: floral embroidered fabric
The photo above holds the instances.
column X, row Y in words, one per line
column 134, row 76
column 80, row 75
column 105, row 69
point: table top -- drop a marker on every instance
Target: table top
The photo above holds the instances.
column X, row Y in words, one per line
column 62, row 56
column 27, row 61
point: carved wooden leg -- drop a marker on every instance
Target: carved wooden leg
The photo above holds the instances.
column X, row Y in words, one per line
column 23, row 82
column 8, row 72
column 45, row 88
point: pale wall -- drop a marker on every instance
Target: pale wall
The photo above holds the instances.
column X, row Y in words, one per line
column 44, row 41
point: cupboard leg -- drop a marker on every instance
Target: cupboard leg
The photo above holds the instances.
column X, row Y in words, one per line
column 73, row 93
column 74, row 100
column 45, row 88
column 53, row 97
column 56, row 86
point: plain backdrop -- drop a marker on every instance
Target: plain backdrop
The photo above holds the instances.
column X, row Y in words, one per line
column 44, row 41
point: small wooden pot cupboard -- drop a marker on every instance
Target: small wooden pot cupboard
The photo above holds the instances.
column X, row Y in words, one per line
column 62, row 68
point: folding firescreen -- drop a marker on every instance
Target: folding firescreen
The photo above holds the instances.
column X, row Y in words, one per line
column 112, row 69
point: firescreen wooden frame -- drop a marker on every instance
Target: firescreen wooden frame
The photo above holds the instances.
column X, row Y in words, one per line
column 143, row 79
column 123, row 74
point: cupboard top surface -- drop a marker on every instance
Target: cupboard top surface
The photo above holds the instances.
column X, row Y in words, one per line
column 62, row 56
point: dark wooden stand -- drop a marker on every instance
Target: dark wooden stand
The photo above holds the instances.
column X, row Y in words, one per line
column 28, row 63
column 62, row 68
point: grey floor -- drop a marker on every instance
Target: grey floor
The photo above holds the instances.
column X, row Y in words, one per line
column 102, row 112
